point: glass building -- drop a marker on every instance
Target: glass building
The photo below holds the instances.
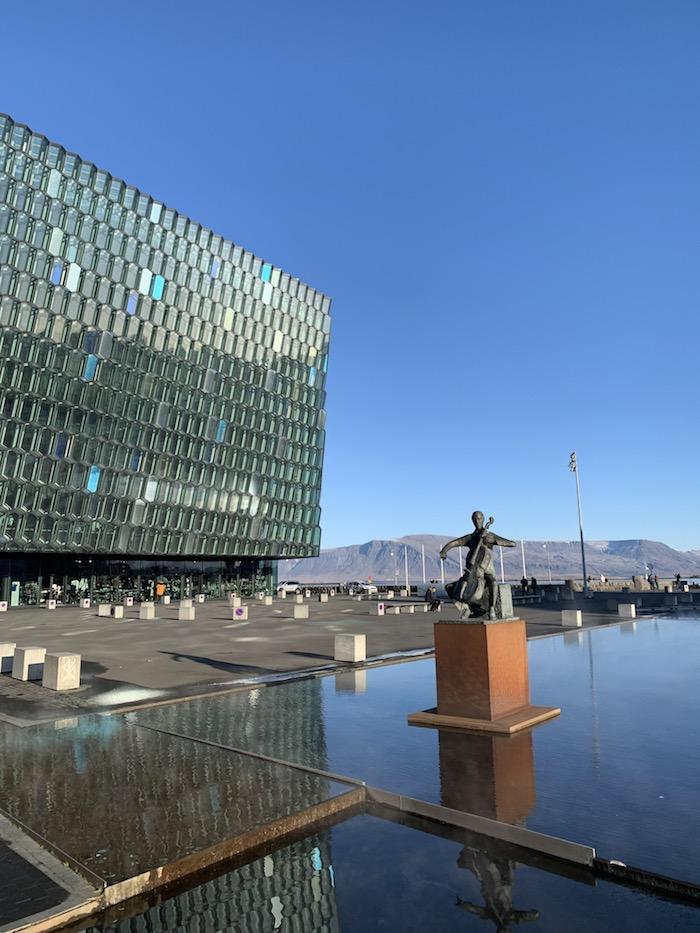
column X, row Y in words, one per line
column 162, row 392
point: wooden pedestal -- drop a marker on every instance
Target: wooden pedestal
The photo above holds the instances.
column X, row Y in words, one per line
column 482, row 678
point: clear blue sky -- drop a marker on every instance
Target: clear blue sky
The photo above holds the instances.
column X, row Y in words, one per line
column 502, row 198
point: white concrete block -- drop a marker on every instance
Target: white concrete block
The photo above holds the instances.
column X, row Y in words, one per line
column 301, row 612
column 323, row 597
column 128, row 602
column 7, row 655
column 104, row 609
column 50, row 603
column 3, row 605
column 62, row 671
column 117, row 612
column 299, row 600
column 28, row 663
column 392, row 610
column 389, row 594
column 376, row 609
column 282, row 594
column 147, row 611
column 403, row 592
column 627, row 610
column 85, row 603
column 267, row 600
column 260, row 596
column 166, row 600
column 331, row 593
column 240, row 614
column 686, row 588
column 410, row 609
column 186, row 614
column 186, row 604
column 350, row 648
column 307, row 593
column 199, row 598
column 571, row 618
column 234, row 601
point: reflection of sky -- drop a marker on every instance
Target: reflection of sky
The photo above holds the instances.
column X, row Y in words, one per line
column 618, row 769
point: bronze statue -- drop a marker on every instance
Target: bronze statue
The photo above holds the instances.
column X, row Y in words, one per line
column 478, row 581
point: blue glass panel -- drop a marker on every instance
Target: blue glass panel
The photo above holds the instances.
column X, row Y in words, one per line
column 135, row 462
column 266, row 272
column 214, row 268
column 93, row 478
column 131, row 303
column 90, row 341
column 313, row 372
column 316, row 859
column 90, row 368
column 221, row 431
column 61, row 444
column 57, row 272
column 157, row 287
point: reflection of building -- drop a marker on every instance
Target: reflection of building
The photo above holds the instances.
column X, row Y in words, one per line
column 291, row 889
column 162, row 391
column 492, row 776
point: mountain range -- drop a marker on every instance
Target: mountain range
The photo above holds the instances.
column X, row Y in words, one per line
column 383, row 560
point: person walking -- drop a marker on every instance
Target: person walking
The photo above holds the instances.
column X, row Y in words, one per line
column 533, row 586
column 523, row 584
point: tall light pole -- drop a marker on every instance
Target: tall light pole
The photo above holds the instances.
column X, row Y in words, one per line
column 422, row 551
column 522, row 554
column 405, row 564
column 549, row 565
column 573, row 466
column 500, row 554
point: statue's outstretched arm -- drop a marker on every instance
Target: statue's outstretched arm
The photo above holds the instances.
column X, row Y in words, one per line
column 457, row 542
column 504, row 542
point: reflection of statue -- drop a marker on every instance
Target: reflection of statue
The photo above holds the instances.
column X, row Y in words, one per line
column 495, row 876
column 478, row 578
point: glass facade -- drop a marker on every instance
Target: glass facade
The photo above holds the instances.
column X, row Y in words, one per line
column 162, row 389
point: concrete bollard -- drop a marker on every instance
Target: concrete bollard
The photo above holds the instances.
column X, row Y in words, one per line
column 389, row 594
column 3, row 605
column 281, row 594
column 186, row 604
column 686, row 588
column 50, row 603
column 307, row 593
column 117, row 612
column 85, row 603
column 323, row 597
column 627, row 610
column 166, row 600
column 376, row 609
column 199, row 598
column 62, row 671
column 104, row 610
column 240, row 613
column 392, row 610
column 301, row 612
column 28, row 663
column 409, row 609
column 403, row 592
column 299, row 600
column 147, row 611
column 234, row 601
column 128, row 602
column 351, row 648
column 267, row 600
column 186, row 614
column 332, row 593
column 7, row 655
column 571, row 618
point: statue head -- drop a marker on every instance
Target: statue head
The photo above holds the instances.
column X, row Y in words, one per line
column 478, row 519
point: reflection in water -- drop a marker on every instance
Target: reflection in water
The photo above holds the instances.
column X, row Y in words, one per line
column 492, row 776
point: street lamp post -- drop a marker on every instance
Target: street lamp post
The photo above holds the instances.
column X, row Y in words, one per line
column 573, row 466
column 549, row 565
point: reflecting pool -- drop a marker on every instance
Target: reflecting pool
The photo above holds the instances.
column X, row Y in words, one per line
column 369, row 873
column 619, row 769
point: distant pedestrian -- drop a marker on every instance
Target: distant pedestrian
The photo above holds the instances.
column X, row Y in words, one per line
column 524, row 584
column 431, row 598
column 678, row 579
column 533, row 586
column 656, row 582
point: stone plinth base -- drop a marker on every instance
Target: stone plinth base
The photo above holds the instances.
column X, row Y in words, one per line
column 84, row 603
column 323, row 597
column 299, row 599
column 352, row 648
column 104, row 610
column 375, row 609
column 200, row 597
column 186, row 614
column 301, row 612
column 128, row 602
column 61, row 671
column 186, row 603
column 117, row 612
column 240, row 614
column 147, row 611
column 506, row 725
column 165, row 600
column 267, row 600
column 482, row 678
column 234, row 601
